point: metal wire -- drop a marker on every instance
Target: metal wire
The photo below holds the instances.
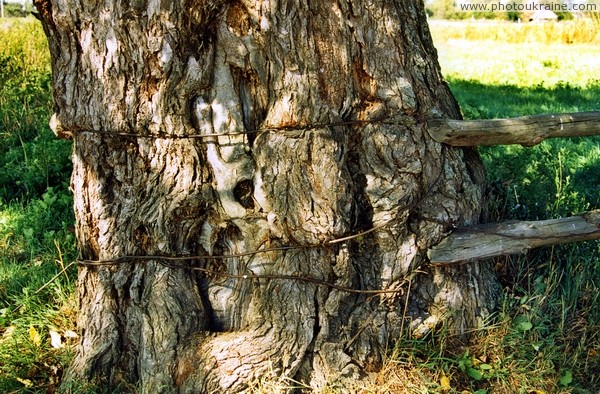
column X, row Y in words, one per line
column 115, row 133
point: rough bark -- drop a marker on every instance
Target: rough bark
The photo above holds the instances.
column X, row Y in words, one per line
column 178, row 68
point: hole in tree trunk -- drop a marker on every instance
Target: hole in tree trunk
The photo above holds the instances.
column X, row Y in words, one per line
column 244, row 192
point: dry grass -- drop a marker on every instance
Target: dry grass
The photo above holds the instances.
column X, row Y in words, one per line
column 578, row 31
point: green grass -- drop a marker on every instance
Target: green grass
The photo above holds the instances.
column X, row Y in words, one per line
column 31, row 158
column 522, row 79
column 545, row 335
column 36, row 219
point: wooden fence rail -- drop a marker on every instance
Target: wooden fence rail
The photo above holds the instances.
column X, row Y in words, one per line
column 524, row 130
column 496, row 239
column 490, row 240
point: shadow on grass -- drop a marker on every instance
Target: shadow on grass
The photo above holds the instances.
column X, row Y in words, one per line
column 479, row 101
column 558, row 177
column 556, row 288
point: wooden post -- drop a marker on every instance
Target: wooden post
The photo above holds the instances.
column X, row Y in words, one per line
column 524, row 130
column 496, row 239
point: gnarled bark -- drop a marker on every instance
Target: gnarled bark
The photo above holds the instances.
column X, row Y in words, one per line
column 166, row 69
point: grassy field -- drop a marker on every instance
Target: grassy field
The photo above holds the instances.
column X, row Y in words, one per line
column 36, row 241
column 545, row 337
column 496, row 79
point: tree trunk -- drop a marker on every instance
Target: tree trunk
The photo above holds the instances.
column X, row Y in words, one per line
column 164, row 69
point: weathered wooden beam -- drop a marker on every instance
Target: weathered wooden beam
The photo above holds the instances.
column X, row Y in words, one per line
column 524, row 130
column 496, row 239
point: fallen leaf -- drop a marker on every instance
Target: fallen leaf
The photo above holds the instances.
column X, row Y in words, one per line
column 55, row 340
column 445, row 383
column 7, row 334
column 592, row 352
column 25, row 382
column 34, row 336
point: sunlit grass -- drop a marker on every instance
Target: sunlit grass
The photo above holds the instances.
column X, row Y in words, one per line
column 499, row 79
column 577, row 31
column 521, row 65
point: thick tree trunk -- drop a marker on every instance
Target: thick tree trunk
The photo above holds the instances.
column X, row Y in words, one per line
column 181, row 68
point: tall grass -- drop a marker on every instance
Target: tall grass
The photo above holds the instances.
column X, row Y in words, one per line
column 37, row 314
column 31, row 159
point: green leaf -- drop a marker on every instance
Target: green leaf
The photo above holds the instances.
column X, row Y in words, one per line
column 49, row 199
column 485, row 367
column 474, row 373
column 522, row 323
column 524, row 326
column 520, row 318
column 28, row 232
column 567, row 378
